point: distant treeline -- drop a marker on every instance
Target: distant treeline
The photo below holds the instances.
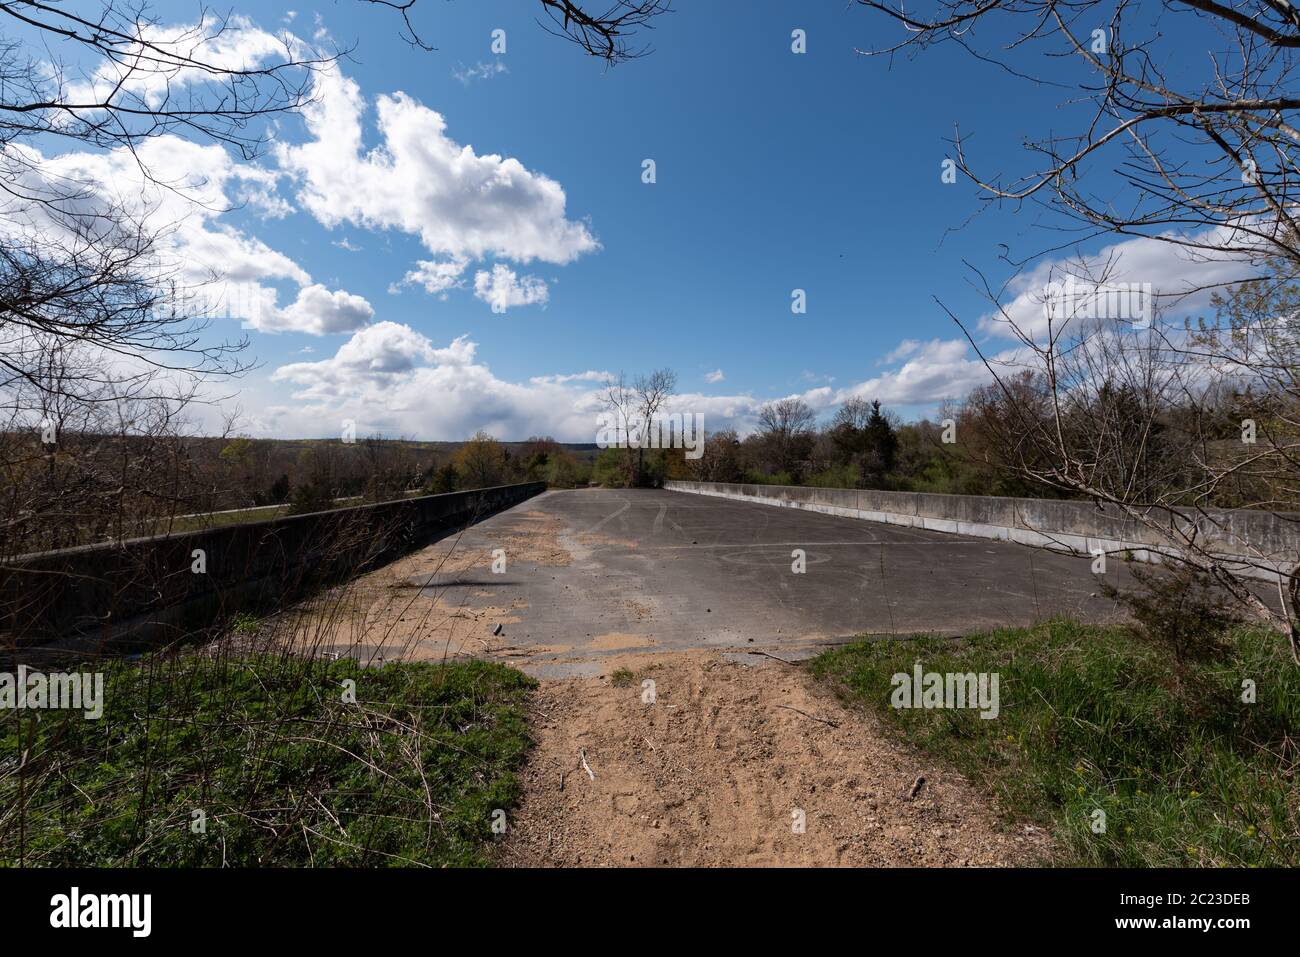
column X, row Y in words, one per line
column 72, row 487
column 1153, row 447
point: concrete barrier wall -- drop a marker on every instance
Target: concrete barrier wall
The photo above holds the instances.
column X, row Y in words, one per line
column 146, row 590
column 1256, row 543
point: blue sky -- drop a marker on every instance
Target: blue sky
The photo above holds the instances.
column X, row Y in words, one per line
column 775, row 171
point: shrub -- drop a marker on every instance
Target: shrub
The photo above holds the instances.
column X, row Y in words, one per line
column 1179, row 609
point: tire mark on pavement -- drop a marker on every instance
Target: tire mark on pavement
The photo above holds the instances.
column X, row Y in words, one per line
column 614, row 514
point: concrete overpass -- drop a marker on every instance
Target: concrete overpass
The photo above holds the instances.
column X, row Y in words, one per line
column 595, row 573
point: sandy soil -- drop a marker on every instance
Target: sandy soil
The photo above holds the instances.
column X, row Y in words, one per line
column 714, row 771
column 532, row 537
column 395, row 612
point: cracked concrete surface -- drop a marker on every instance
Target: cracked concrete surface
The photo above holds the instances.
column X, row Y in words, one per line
column 594, row 573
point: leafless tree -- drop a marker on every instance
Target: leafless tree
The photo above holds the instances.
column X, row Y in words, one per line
column 1207, row 152
column 652, row 391
column 1204, row 154
column 100, row 356
column 630, row 409
column 606, row 34
column 619, row 409
column 1135, row 423
column 103, row 459
column 137, row 79
column 785, row 428
column 79, row 265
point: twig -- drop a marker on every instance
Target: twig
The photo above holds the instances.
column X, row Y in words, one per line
column 916, row 786
column 582, row 755
column 775, row 658
column 807, row 715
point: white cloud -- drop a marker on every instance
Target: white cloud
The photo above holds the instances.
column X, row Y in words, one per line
column 714, row 376
column 390, row 378
column 591, row 375
column 1181, row 280
column 462, row 205
column 374, row 356
column 226, row 254
column 230, row 43
column 262, row 197
column 480, row 71
column 935, row 370
column 502, row 288
column 436, row 277
column 224, row 270
column 319, row 311
column 422, row 182
column 900, row 351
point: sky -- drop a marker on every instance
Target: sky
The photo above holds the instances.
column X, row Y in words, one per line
column 462, row 239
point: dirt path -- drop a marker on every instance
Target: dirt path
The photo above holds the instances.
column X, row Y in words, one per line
column 713, row 771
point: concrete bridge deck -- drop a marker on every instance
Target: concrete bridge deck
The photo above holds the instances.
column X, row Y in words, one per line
column 594, row 573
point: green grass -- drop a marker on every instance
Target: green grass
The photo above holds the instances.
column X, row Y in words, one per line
column 1186, row 773
column 622, row 678
column 199, row 522
column 287, row 772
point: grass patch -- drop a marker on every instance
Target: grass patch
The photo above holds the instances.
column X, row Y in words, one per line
column 286, row 772
column 622, row 677
column 1186, row 773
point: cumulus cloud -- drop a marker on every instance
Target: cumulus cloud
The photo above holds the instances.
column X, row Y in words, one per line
column 226, row 43
column 391, row 378
column 1180, row 281
column 436, row 277
column 221, row 269
column 901, row 351
column 502, row 288
column 262, row 197
column 463, row 206
column 376, row 356
column 421, row 181
column 933, row 371
column 714, row 376
column 319, row 311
